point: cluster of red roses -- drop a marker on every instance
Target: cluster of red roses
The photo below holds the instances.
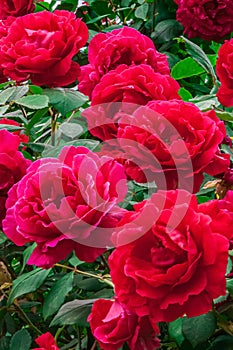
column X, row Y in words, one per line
column 162, row 267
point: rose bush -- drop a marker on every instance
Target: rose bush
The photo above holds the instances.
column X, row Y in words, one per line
column 112, row 324
column 169, row 272
column 224, row 69
column 16, row 8
column 12, row 167
column 46, row 342
column 61, row 202
column 40, row 47
column 207, row 19
column 121, row 46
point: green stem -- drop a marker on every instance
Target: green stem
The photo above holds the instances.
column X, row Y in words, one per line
column 58, row 333
column 27, row 319
column 99, row 277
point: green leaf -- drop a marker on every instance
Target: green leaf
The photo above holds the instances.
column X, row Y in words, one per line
column 205, row 102
column 4, row 343
column 141, row 11
column 3, row 109
column 222, row 342
column 185, row 94
column 21, row 340
column 57, row 294
column 230, row 286
column 64, row 99
column 91, row 284
column 189, row 67
column 74, row 261
column 33, row 101
column 6, row 94
column 26, row 255
column 71, row 130
column 229, row 266
column 226, row 116
column 200, row 57
column 10, row 127
column 27, row 283
column 74, row 312
column 175, row 331
column 19, row 92
column 96, row 19
column 54, row 151
column 166, row 30
column 198, row 329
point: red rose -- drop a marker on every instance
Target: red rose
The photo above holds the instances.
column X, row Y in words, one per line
column 40, row 46
column 46, row 342
column 134, row 84
column 173, row 139
column 112, row 324
column 64, row 204
column 224, row 69
column 23, row 137
column 12, row 166
column 16, row 8
column 221, row 213
column 121, row 46
column 177, row 267
column 207, row 19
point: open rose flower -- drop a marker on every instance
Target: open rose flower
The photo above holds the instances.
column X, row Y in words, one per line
column 177, row 267
column 46, row 342
column 207, row 19
column 12, row 166
column 127, row 46
column 40, row 47
column 16, row 8
column 112, row 324
column 64, row 204
column 221, row 213
column 172, row 139
column 224, row 69
column 134, row 84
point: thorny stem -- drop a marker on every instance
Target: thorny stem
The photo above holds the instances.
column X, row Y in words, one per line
column 99, row 277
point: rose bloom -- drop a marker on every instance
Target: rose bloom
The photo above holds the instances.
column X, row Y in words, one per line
column 23, row 138
column 112, row 324
column 221, row 213
column 12, row 166
column 172, row 138
column 40, row 47
column 127, row 46
column 64, row 204
column 134, row 84
column 224, row 70
column 46, row 342
column 4, row 25
column 207, row 19
column 15, row 8
column 177, row 267
column 127, row 87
